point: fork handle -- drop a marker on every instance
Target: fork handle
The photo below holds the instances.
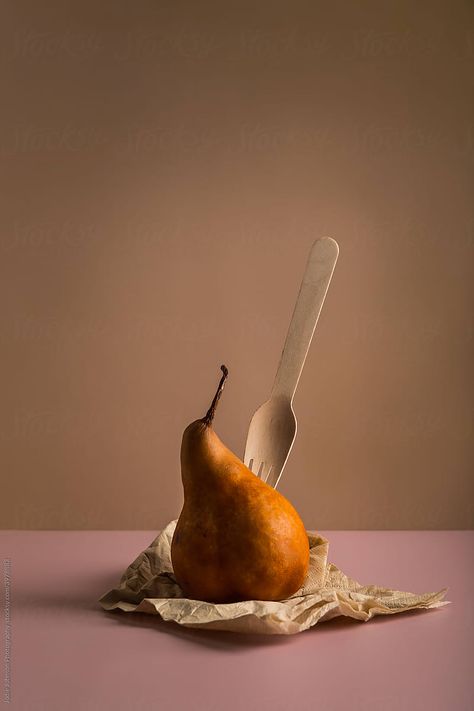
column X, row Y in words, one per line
column 319, row 269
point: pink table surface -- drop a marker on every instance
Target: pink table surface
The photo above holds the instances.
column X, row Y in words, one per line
column 69, row 654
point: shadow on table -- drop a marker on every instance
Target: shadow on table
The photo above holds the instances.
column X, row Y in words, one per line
column 79, row 596
column 83, row 595
column 235, row 641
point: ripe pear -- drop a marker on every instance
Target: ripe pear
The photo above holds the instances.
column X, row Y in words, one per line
column 237, row 538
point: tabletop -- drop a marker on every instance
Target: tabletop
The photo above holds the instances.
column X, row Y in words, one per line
column 67, row 653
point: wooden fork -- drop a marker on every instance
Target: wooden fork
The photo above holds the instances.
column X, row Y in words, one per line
column 273, row 427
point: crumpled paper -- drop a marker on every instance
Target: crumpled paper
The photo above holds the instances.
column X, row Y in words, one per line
column 148, row 585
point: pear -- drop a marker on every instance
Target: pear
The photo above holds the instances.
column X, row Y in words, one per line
column 236, row 537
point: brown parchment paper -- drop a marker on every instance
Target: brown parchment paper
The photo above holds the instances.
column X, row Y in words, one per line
column 148, row 585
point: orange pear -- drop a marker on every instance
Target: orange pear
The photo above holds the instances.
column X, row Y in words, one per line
column 237, row 538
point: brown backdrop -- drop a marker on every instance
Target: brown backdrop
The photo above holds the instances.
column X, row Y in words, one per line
column 168, row 165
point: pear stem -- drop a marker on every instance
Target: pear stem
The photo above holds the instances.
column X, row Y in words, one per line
column 212, row 410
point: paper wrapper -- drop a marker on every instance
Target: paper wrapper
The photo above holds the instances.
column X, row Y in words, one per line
column 148, row 585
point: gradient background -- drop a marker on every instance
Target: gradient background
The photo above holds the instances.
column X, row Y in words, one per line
column 167, row 168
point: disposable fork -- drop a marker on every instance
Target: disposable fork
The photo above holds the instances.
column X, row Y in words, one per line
column 273, row 427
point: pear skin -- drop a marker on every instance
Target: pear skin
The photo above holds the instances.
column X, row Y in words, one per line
column 237, row 538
